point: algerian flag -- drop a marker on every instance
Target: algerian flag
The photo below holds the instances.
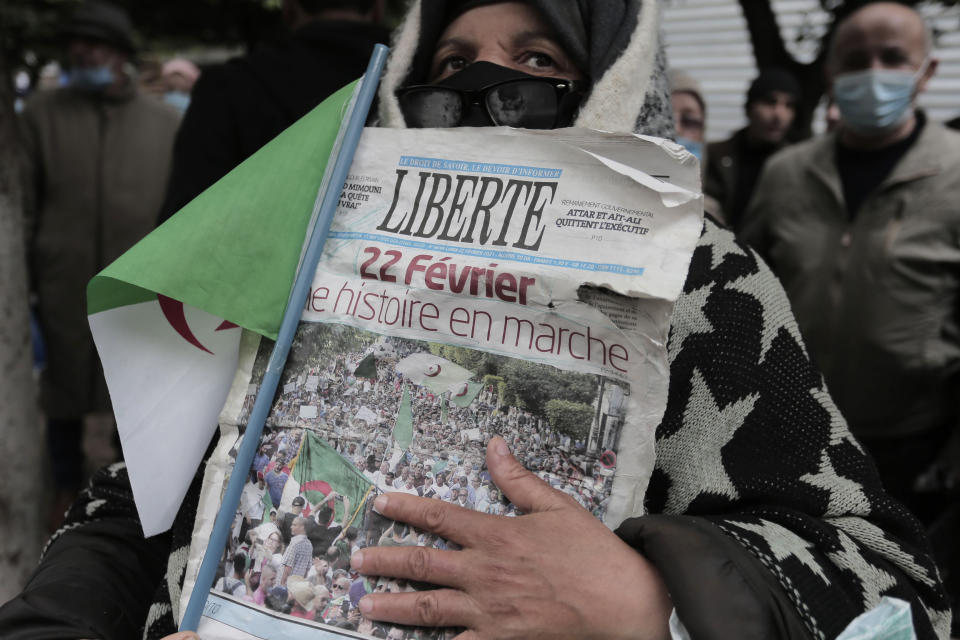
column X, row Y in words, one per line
column 317, row 470
column 367, row 367
column 433, row 372
column 267, row 505
column 403, row 429
column 157, row 313
column 463, row 393
column 438, row 466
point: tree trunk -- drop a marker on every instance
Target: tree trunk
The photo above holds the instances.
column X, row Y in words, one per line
column 769, row 50
column 22, row 448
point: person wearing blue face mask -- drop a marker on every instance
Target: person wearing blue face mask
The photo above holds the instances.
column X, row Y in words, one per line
column 689, row 112
column 98, row 154
column 863, row 228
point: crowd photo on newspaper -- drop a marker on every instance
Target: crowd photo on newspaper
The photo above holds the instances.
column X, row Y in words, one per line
column 360, row 414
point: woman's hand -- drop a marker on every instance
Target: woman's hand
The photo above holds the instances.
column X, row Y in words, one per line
column 556, row 572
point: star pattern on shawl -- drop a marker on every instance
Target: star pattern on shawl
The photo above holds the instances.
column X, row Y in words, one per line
column 839, row 432
column 873, row 581
column 719, row 254
column 176, row 570
column 694, row 319
column 783, row 543
column 873, row 536
column 693, row 453
column 760, row 281
column 92, row 506
column 846, row 496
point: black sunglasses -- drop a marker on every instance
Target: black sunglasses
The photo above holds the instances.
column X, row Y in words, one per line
column 529, row 103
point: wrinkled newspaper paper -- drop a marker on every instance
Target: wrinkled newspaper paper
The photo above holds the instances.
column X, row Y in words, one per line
column 475, row 283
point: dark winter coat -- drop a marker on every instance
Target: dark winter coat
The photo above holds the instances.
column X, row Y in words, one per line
column 97, row 170
column 239, row 106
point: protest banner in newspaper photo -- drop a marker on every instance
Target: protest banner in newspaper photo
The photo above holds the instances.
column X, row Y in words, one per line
column 474, row 283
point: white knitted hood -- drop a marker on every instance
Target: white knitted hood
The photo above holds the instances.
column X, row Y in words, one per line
column 630, row 94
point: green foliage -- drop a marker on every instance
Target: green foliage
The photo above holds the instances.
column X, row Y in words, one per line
column 571, row 418
column 491, row 379
column 498, row 382
column 522, row 384
column 29, row 28
column 532, row 385
column 316, row 344
column 502, row 392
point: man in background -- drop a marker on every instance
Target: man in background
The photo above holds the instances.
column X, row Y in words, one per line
column 863, row 228
column 733, row 165
column 298, row 555
column 98, row 154
column 237, row 107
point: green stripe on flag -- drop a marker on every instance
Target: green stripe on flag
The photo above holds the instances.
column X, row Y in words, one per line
column 107, row 293
column 233, row 251
column 403, row 429
column 464, row 397
column 320, row 468
column 367, row 368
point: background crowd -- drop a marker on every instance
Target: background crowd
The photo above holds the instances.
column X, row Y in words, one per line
column 860, row 224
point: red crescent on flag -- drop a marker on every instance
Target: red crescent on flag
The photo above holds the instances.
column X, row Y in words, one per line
column 316, row 485
column 174, row 313
column 463, row 390
column 435, row 373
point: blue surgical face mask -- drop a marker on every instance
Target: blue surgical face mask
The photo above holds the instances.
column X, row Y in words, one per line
column 178, row 99
column 694, row 147
column 875, row 100
column 91, row 78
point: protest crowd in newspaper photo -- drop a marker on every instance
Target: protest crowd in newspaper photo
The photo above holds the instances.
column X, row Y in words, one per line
column 360, row 415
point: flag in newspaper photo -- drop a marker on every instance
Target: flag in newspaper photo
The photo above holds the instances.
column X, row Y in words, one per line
column 167, row 315
column 433, row 372
column 463, row 393
column 318, row 470
column 403, row 429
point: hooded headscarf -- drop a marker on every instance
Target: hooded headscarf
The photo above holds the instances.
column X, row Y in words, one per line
column 615, row 42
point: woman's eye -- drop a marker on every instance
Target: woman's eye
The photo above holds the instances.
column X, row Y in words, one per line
column 451, row 64
column 537, row 60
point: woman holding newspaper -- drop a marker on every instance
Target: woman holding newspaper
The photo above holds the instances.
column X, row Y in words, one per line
column 734, row 567
column 731, row 555
column 766, row 519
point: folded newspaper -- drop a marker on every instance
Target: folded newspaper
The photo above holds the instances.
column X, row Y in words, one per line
column 475, row 283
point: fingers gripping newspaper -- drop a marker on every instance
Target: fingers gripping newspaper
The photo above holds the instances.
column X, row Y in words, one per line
column 475, row 283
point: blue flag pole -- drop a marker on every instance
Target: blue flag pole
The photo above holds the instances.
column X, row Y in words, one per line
column 350, row 130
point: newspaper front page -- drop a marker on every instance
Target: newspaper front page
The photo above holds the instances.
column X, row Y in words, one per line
column 475, row 283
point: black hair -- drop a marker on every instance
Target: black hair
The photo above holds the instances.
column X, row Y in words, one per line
column 239, row 564
column 324, row 514
column 316, row 6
